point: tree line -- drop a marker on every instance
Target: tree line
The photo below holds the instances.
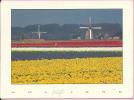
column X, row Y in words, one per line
column 63, row 32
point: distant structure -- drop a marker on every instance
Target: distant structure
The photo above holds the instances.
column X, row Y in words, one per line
column 39, row 32
column 90, row 28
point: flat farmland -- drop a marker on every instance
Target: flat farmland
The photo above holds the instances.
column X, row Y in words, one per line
column 67, row 67
column 106, row 70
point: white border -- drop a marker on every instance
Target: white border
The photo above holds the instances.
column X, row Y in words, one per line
column 0, row 49
column 124, row 90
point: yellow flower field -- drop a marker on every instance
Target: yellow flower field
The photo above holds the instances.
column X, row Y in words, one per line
column 106, row 70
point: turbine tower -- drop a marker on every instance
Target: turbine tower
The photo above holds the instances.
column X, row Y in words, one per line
column 89, row 32
column 39, row 32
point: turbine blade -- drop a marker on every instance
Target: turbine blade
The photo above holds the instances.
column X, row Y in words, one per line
column 84, row 27
column 34, row 32
column 90, row 21
column 43, row 32
column 98, row 28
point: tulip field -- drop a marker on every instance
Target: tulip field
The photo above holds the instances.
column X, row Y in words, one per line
column 66, row 67
column 70, row 43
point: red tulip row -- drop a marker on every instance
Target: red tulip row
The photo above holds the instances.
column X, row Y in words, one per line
column 94, row 43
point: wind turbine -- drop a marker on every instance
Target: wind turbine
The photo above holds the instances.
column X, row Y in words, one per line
column 39, row 32
column 90, row 28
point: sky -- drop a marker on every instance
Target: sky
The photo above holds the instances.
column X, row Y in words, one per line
column 24, row 17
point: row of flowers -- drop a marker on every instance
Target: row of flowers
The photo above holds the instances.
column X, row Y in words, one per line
column 106, row 70
column 34, row 55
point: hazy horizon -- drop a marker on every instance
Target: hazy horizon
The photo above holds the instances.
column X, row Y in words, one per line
column 25, row 17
